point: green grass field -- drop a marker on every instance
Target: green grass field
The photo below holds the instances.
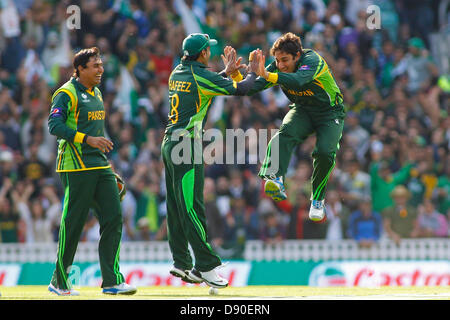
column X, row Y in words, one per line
column 249, row 292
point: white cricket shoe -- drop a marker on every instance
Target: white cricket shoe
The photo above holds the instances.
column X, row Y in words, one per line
column 275, row 189
column 317, row 212
column 211, row 278
column 183, row 274
column 123, row 288
column 62, row 292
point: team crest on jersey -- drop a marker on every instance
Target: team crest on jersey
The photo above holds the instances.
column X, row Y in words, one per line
column 56, row 112
column 304, row 67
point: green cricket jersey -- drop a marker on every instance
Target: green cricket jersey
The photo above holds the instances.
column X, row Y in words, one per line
column 311, row 86
column 191, row 90
column 76, row 112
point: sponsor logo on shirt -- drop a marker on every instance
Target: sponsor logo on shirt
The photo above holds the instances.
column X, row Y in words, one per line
column 56, row 112
column 85, row 97
column 305, row 67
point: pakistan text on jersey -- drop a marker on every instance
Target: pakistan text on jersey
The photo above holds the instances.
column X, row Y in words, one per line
column 96, row 115
column 183, row 86
column 301, row 93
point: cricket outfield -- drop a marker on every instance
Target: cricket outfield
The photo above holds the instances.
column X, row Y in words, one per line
column 28, row 292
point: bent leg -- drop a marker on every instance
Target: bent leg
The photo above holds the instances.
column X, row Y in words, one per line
column 296, row 127
column 329, row 134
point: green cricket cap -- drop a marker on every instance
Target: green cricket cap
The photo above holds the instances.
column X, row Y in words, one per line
column 196, row 42
column 416, row 42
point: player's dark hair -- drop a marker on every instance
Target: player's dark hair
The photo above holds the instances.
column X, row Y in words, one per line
column 191, row 58
column 82, row 57
column 289, row 43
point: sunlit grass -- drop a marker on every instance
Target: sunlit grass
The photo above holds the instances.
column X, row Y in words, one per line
column 249, row 292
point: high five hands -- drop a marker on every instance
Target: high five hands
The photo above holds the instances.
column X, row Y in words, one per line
column 233, row 64
column 256, row 61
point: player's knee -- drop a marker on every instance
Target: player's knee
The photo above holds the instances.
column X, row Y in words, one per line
column 324, row 156
column 113, row 220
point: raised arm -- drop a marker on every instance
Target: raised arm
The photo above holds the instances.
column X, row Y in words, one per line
column 233, row 64
column 213, row 84
column 295, row 80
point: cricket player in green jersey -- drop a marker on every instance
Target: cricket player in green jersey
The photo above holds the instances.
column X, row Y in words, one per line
column 191, row 90
column 77, row 119
column 307, row 81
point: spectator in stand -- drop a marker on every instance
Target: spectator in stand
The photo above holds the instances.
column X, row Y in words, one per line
column 40, row 222
column 10, row 223
column 8, row 170
column 214, row 220
column 241, row 223
column 337, row 217
column 128, row 205
column 299, row 215
column 442, row 191
column 163, row 61
column 365, row 225
column 431, row 223
column 355, row 135
column 400, row 219
column 223, row 195
column 252, row 189
column 273, row 230
column 354, row 183
column 32, row 169
column 417, row 64
column 9, row 125
column 143, row 230
column 384, row 180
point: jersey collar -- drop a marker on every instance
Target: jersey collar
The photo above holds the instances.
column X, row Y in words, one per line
column 81, row 86
column 193, row 63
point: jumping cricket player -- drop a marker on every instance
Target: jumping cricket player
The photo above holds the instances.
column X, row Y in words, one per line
column 191, row 90
column 307, row 81
column 77, row 119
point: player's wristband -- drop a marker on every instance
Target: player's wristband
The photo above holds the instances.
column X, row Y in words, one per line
column 79, row 137
column 85, row 138
column 245, row 85
column 237, row 76
column 273, row 77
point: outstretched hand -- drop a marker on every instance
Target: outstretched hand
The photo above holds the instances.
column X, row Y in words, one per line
column 256, row 62
column 231, row 62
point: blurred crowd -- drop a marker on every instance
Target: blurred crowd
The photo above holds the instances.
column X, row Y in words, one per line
column 392, row 178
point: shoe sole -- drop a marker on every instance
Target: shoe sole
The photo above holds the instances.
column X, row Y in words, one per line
column 317, row 218
column 126, row 293
column 273, row 191
column 184, row 276
column 55, row 291
column 214, row 285
column 211, row 284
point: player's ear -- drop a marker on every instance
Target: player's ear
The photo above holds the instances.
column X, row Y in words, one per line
column 80, row 69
